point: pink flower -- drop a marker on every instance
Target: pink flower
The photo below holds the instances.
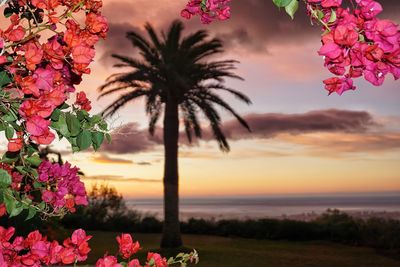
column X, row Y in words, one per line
column 156, row 259
column 345, row 35
column 375, row 73
column 134, row 263
column 338, row 85
column 108, row 261
column 47, row 196
column 330, row 50
column 79, row 236
column 44, row 78
column 331, row 3
column 37, row 126
column 369, row 8
column 126, row 245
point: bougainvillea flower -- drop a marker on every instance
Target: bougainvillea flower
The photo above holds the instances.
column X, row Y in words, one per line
column 126, row 245
column 33, row 55
column 108, row 261
column 158, row 260
column 338, row 85
column 331, row 3
column 97, row 24
column 345, row 35
column 83, row 101
column 330, row 50
column 15, row 144
column 15, row 34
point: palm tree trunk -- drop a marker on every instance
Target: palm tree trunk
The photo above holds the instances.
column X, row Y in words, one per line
column 171, row 237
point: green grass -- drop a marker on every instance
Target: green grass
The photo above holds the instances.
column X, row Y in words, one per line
column 238, row 252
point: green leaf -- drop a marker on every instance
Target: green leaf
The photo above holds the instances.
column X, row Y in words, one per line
column 37, row 185
column 31, row 213
column 55, row 116
column 108, row 137
column 320, row 14
column 333, row 17
column 9, row 201
column 74, row 126
column 64, row 106
column 34, row 173
column 32, row 149
column 95, row 119
column 10, row 116
column 34, row 160
column 84, row 140
column 103, row 125
column 97, row 139
column 5, row 178
column 9, row 157
column 281, row 3
column 61, row 126
column 16, row 210
column 292, row 8
column 82, row 114
column 41, row 205
column 21, row 170
column 9, row 132
column 203, row 5
column 8, row 12
column 4, row 79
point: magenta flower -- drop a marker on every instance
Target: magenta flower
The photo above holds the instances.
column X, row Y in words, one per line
column 330, row 50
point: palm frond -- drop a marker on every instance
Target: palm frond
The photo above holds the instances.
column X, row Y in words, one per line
column 121, row 101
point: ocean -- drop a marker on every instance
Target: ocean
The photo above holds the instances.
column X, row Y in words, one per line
column 293, row 207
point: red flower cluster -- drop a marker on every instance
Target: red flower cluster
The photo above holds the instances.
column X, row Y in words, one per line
column 63, row 187
column 208, row 10
column 83, row 102
column 15, row 144
column 356, row 43
column 127, row 248
column 46, row 72
column 36, row 250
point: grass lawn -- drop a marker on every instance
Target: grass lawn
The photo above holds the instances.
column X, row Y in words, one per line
column 235, row 252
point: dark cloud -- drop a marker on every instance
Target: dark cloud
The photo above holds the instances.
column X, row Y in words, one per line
column 128, row 138
column 118, row 178
column 271, row 124
column 143, row 163
column 254, row 25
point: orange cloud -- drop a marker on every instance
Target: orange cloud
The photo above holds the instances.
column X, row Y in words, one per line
column 105, row 159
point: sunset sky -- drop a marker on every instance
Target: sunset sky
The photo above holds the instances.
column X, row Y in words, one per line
column 303, row 141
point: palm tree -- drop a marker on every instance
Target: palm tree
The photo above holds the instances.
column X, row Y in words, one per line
column 177, row 81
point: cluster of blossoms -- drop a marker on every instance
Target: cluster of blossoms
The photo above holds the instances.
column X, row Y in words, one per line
column 208, row 10
column 35, row 250
column 46, row 51
column 356, row 43
column 60, row 186
column 127, row 248
column 63, row 187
